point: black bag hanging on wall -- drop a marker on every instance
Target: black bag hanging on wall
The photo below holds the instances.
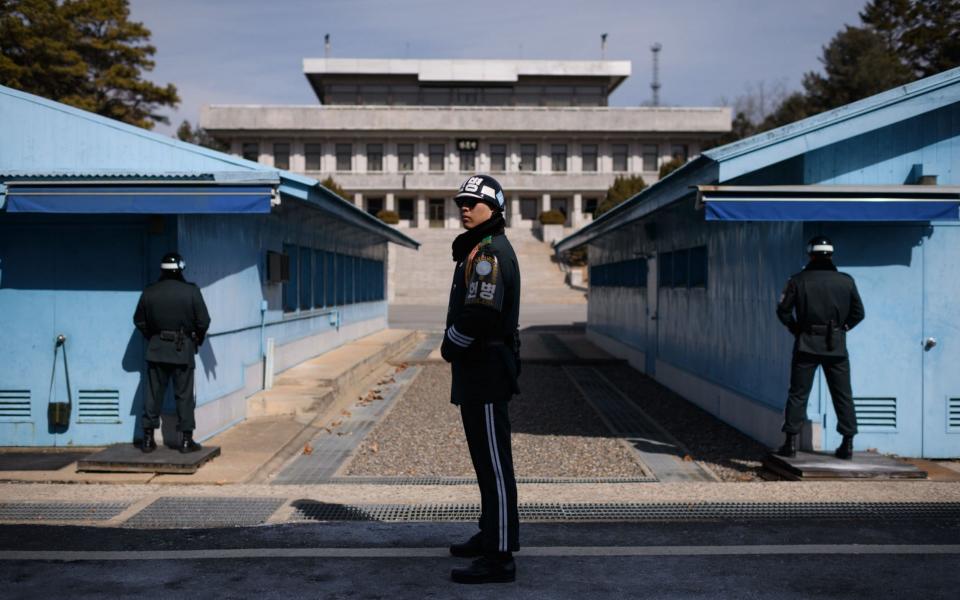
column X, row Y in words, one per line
column 58, row 413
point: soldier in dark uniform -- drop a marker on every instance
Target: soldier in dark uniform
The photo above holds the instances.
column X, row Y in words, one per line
column 819, row 306
column 482, row 344
column 171, row 314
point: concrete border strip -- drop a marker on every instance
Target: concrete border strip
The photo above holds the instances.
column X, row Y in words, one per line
column 537, row 551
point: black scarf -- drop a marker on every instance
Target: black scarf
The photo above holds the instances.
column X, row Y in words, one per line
column 464, row 243
column 820, row 264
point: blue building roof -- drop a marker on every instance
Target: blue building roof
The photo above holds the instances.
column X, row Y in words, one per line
column 738, row 159
column 47, row 140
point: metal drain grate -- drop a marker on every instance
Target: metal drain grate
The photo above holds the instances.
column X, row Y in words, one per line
column 60, row 511
column 330, row 450
column 557, row 347
column 655, row 447
column 360, row 480
column 205, row 512
column 430, row 343
column 318, row 511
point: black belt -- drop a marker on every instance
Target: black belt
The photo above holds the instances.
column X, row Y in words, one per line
column 824, row 330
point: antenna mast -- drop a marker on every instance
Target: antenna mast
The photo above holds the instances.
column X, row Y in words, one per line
column 655, row 84
column 603, row 46
column 326, row 45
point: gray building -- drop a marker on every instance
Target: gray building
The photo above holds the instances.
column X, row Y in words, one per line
column 401, row 134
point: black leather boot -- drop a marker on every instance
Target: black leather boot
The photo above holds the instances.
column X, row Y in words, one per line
column 789, row 447
column 187, row 444
column 149, row 444
column 845, row 449
column 469, row 549
column 492, row 568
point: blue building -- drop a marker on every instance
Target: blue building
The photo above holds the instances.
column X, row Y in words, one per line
column 88, row 206
column 685, row 276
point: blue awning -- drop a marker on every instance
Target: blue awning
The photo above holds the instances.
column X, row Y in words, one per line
column 830, row 203
column 143, row 198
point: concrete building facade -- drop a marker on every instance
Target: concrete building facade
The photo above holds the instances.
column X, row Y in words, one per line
column 400, row 135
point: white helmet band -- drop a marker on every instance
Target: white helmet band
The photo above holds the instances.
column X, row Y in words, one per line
column 820, row 248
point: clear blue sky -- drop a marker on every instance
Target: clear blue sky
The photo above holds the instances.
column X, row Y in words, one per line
column 250, row 51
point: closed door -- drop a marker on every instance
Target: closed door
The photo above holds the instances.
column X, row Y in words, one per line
column 437, row 214
column 940, row 346
column 82, row 283
column 886, row 362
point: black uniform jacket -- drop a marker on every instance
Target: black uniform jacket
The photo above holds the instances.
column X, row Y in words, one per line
column 481, row 340
column 819, row 306
column 172, row 315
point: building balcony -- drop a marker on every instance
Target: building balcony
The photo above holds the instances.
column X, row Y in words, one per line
column 347, row 121
column 446, row 182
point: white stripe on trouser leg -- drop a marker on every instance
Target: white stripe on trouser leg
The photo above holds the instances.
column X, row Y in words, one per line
column 501, row 487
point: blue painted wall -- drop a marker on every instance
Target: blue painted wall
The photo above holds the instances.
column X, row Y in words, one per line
column 82, row 276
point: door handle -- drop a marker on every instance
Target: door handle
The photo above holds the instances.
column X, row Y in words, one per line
column 929, row 343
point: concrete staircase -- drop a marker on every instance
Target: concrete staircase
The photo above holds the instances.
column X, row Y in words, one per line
column 423, row 277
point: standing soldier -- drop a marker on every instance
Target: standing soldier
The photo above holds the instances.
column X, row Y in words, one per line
column 171, row 314
column 827, row 306
column 482, row 344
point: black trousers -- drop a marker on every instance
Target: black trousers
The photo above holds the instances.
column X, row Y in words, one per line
column 836, row 370
column 158, row 375
column 487, row 427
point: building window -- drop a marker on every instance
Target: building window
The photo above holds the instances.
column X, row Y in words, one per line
column 528, row 157
column 344, row 157
column 319, row 276
column 626, row 273
column 281, row 156
column 405, row 95
column 619, row 152
column 313, row 153
column 679, row 150
column 698, row 266
column 498, row 157
column 306, row 279
column 528, row 208
column 466, row 96
column 651, row 156
column 374, row 205
column 290, row 296
column 374, row 157
column 405, row 157
column 251, row 151
column 665, row 265
column 558, row 157
column 405, row 208
column 590, row 206
column 435, row 152
column 498, row 96
column 560, row 205
column 589, row 154
column 468, row 160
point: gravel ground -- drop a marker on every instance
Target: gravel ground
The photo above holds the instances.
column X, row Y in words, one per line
column 555, row 433
column 732, row 455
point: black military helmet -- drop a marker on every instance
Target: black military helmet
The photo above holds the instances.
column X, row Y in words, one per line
column 172, row 263
column 820, row 245
column 483, row 188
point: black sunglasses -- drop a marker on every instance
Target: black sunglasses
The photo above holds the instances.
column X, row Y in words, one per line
column 468, row 202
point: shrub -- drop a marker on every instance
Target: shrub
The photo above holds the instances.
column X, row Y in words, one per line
column 552, row 217
column 389, row 217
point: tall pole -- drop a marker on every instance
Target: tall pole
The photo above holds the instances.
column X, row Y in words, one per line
column 603, row 46
column 655, row 84
column 326, row 45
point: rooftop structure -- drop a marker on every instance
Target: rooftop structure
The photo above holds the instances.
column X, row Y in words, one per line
column 436, row 82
